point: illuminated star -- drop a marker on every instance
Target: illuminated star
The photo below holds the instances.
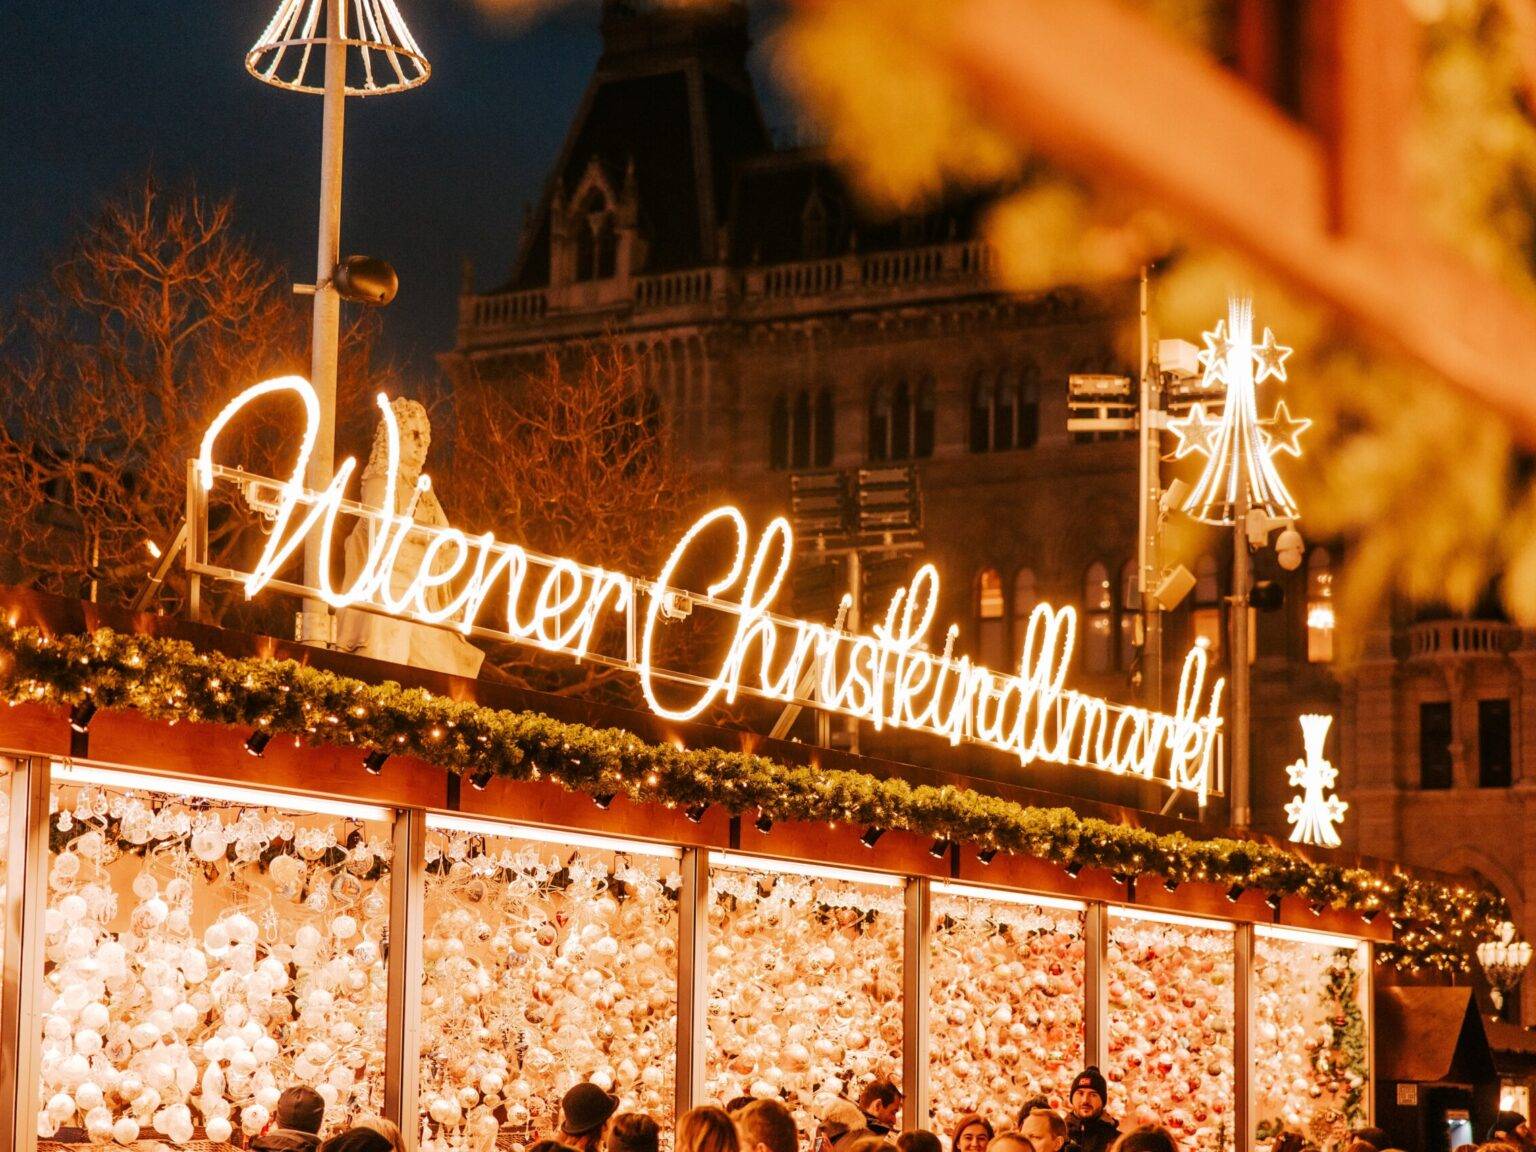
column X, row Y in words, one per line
column 1218, row 346
column 1269, row 358
column 1314, row 813
column 1282, row 431
column 1195, row 431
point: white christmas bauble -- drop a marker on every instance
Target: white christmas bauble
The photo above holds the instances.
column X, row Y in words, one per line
column 344, row 927
column 88, row 1041
column 89, row 1095
column 253, row 1118
column 218, row 1129
column 125, row 1131
column 208, row 844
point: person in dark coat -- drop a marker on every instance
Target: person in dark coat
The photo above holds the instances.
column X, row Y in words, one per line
column 583, row 1113
column 295, row 1123
column 1087, row 1125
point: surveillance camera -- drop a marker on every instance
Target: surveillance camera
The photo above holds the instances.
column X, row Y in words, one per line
column 1173, row 587
column 1173, row 496
column 1258, row 527
column 1289, row 548
column 676, row 605
column 365, row 280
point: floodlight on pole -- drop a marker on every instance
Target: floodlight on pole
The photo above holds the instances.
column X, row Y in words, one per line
column 334, row 48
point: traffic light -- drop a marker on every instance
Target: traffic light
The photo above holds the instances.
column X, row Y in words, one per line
column 817, row 589
column 1266, row 595
column 881, row 580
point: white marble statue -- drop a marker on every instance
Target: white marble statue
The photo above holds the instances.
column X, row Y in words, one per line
column 385, row 637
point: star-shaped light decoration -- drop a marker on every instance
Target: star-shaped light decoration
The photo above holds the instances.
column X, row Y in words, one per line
column 1240, row 449
column 1314, row 814
column 1196, row 431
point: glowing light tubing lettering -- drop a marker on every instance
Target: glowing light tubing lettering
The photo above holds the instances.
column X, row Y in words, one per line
column 888, row 677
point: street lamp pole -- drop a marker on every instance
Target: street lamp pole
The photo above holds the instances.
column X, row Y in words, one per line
column 1238, row 674
column 1149, row 561
column 374, row 34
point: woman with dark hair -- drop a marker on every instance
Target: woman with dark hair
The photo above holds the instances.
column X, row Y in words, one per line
column 972, row 1133
column 706, row 1130
column 632, row 1132
column 1147, row 1138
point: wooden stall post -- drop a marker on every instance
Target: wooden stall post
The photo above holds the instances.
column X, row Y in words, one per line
column 692, row 978
column 914, row 1004
column 26, row 891
column 1242, row 1038
column 407, row 927
column 1095, row 985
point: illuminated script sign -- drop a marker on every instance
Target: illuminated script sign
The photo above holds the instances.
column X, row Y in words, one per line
column 888, row 677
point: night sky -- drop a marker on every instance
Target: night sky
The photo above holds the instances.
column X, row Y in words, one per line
column 96, row 90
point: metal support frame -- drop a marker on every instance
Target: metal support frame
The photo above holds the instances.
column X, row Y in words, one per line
column 1242, row 1039
column 692, row 978
column 914, row 1004
column 26, row 893
column 407, row 928
column 1095, row 985
column 1149, row 566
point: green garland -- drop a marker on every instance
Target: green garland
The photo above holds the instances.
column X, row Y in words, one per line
column 170, row 680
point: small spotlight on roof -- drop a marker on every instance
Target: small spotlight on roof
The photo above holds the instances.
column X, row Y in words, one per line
column 256, row 743
column 604, row 799
column 1235, row 893
column 986, row 855
column 938, row 849
column 871, row 836
column 695, row 813
column 1170, row 885
column 80, row 715
column 373, row 763
column 1274, row 900
column 480, row 779
column 764, row 823
column 1074, row 869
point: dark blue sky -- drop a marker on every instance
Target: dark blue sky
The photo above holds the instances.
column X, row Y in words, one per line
column 98, row 89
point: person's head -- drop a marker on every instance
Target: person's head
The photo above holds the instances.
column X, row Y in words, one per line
column 766, row 1126
column 865, row 1142
column 1498, row 1146
column 549, row 1146
column 358, row 1139
column 881, row 1102
column 1288, row 1142
column 1010, row 1141
column 972, row 1134
column 632, row 1132
column 840, row 1118
column 1510, row 1128
column 706, row 1130
column 1089, row 1093
column 299, row 1109
column 385, row 1128
column 1037, row 1101
column 583, row 1113
column 1147, row 1138
column 1045, row 1130
column 736, row 1103
column 919, row 1140
column 1377, row 1138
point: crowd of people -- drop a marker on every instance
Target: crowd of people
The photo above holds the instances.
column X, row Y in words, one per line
column 591, row 1121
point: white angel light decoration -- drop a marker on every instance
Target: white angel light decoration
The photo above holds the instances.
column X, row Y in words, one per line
column 1314, row 813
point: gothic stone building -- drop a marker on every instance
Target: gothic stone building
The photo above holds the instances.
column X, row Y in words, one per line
column 785, row 331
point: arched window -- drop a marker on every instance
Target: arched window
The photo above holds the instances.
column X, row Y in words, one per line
column 981, row 412
column 879, row 423
column 800, row 432
column 922, row 420
column 991, row 619
column 1130, row 615
column 597, row 241
column 901, row 421
column 1024, row 601
column 800, row 438
column 824, row 441
column 1029, row 406
column 1098, row 619
column 1205, row 619
column 1319, row 606
column 1005, row 412
column 778, row 433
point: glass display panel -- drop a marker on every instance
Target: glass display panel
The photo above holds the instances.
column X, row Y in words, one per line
column 804, row 988
column 202, row 956
column 1171, row 1019
column 1311, row 1061
column 544, row 965
column 1005, row 1008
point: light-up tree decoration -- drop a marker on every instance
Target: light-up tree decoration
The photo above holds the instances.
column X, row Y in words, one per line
column 1240, row 485
column 1314, row 814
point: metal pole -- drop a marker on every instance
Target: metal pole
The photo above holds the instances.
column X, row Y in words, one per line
column 26, row 888
column 1149, row 539
column 407, row 927
column 914, row 1005
column 1238, row 658
column 856, row 593
column 1242, row 1038
column 1095, row 985
column 692, row 979
column 315, row 624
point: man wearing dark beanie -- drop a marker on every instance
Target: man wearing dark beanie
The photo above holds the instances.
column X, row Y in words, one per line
column 295, row 1123
column 1087, row 1126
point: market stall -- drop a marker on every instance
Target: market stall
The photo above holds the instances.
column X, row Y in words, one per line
column 190, row 928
